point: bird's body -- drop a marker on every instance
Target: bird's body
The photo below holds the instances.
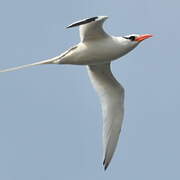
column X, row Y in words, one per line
column 96, row 52
column 97, row 49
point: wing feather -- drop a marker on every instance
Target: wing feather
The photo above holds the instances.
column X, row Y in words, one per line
column 111, row 94
column 81, row 22
column 91, row 28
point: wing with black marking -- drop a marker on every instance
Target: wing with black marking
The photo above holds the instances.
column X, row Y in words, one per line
column 91, row 28
column 81, row 22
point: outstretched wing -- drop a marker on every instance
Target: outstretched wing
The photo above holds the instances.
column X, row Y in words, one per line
column 91, row 28
column 111, row 94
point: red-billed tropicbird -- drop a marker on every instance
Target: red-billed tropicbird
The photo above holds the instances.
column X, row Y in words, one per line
column 96, row 50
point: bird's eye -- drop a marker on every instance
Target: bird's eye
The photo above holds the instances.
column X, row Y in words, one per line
column 132, row 38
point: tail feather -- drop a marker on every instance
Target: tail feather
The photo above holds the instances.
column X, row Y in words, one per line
column 48, row 61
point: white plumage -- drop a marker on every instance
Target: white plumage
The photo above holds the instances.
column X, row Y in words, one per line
column 97, row 49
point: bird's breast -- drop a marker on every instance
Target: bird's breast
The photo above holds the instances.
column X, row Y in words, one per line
column 95, row 52
column 104, row 50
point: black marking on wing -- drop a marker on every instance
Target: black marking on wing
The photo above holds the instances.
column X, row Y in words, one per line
column 82, row 22
column 105, row 164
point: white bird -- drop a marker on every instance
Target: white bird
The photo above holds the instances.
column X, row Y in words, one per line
column 96, row 50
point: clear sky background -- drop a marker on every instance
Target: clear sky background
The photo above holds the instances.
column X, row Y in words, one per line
column 50, row 116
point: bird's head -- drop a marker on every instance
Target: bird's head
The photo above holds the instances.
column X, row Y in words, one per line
column 131, row 41
column 136, row 38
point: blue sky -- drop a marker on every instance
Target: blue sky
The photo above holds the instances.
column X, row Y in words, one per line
column 50, row 125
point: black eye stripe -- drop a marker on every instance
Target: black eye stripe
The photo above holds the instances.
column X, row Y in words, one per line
column 126, row 37
column 132, row 38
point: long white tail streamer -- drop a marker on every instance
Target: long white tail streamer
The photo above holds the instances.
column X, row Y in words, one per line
column 48, row 61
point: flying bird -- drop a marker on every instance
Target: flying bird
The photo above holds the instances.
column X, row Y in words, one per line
column 96, row 50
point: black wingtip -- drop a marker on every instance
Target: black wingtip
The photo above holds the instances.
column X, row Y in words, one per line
column 105, row 164
column 81, row 22
column 68, row 27
column 105, row 167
